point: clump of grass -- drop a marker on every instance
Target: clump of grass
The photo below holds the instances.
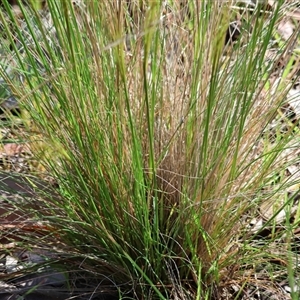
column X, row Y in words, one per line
column 156, row 138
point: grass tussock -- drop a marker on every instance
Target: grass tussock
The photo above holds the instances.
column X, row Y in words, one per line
column 156, row 131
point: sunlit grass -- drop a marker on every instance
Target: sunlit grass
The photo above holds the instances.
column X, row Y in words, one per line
column 158, row 149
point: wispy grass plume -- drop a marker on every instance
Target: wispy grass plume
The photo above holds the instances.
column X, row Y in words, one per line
column 155, row 130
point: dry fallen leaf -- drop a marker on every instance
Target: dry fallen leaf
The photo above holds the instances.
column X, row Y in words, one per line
column 12, row 149
column 286, row 29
